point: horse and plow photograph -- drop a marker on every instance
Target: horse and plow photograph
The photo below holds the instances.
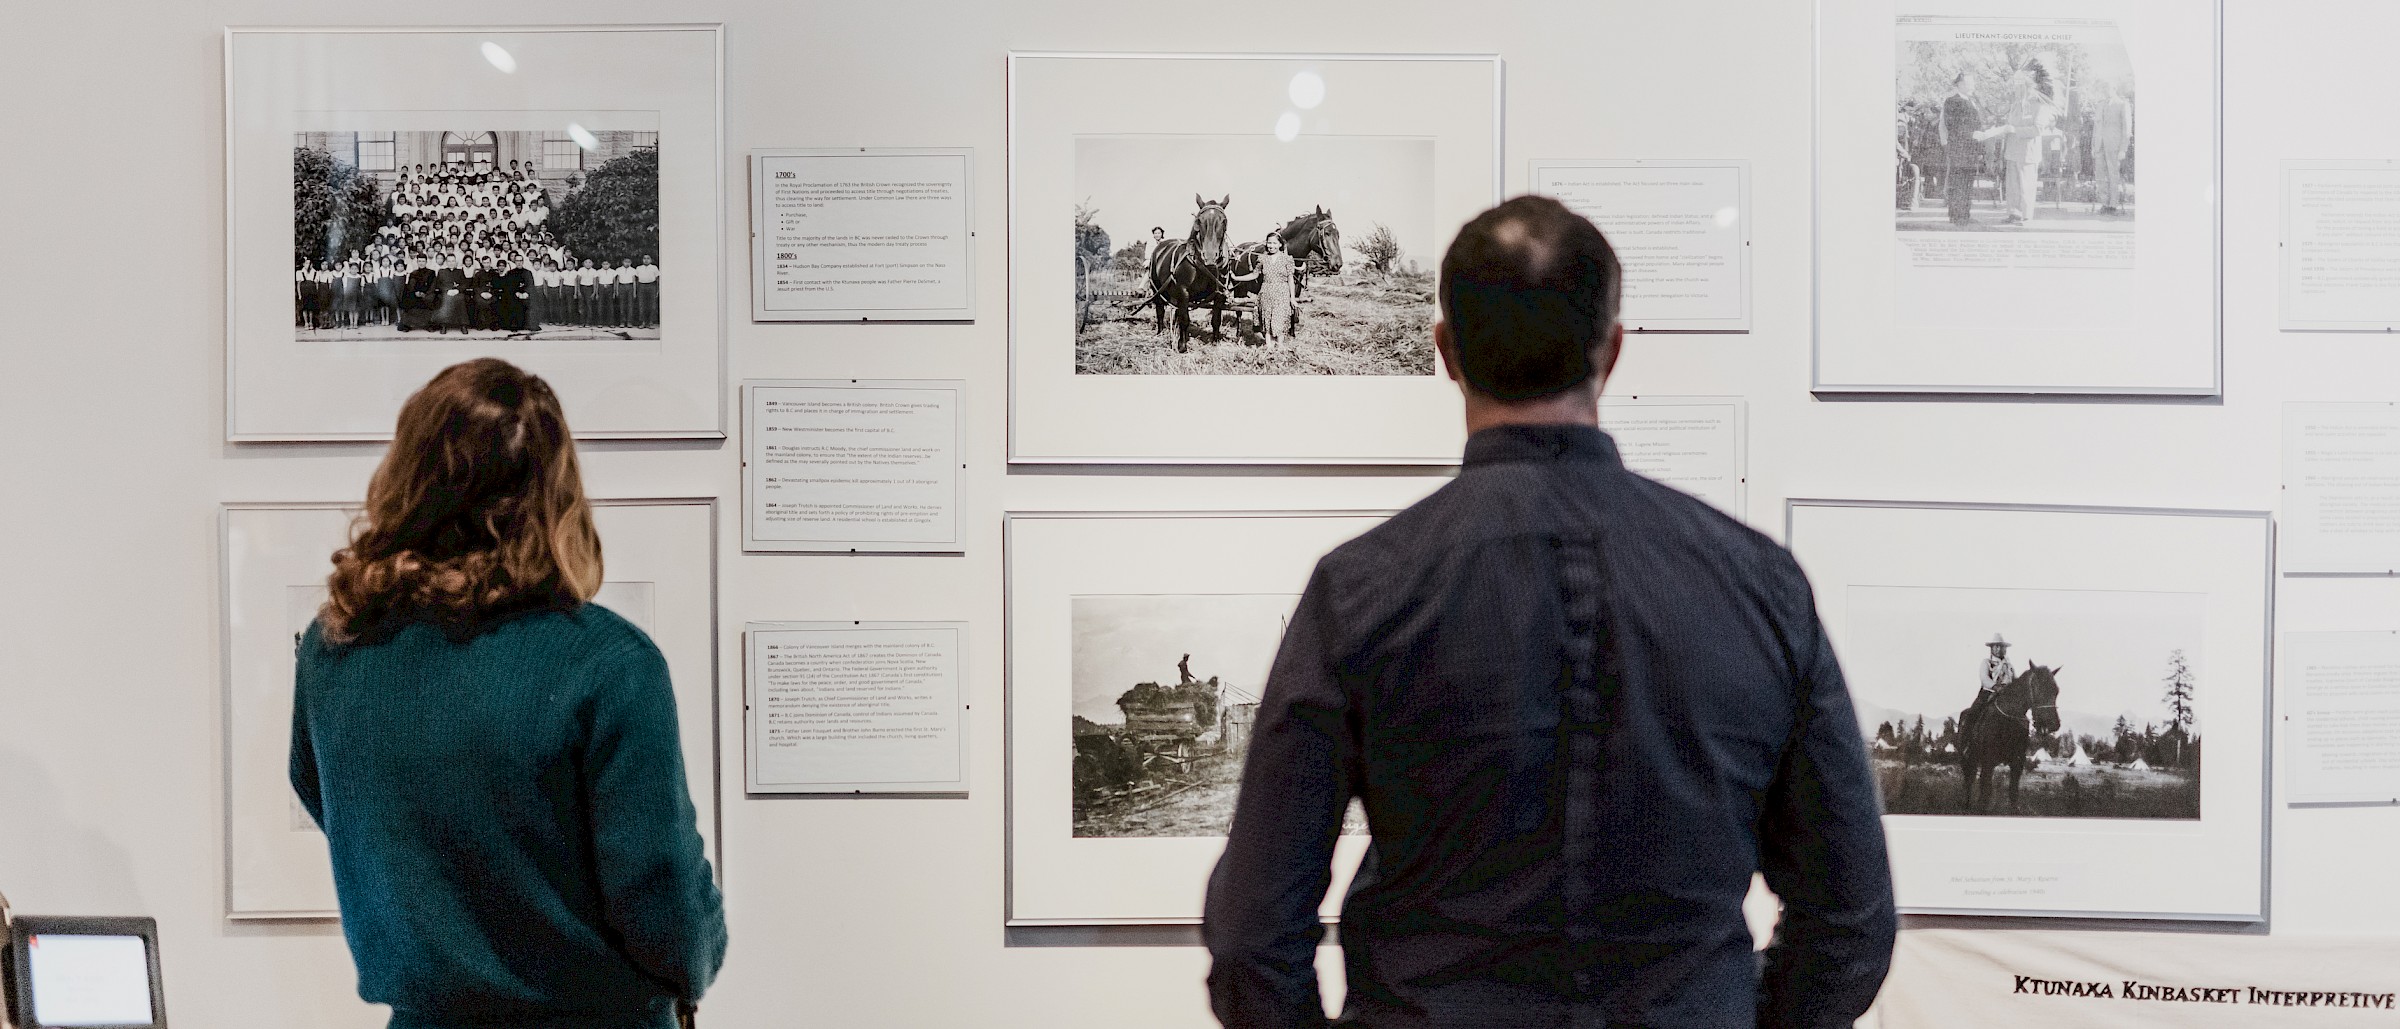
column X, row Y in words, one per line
column 2029, row 702
column 1254, row 255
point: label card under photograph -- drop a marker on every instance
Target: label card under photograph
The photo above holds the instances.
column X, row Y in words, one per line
column 856, row 707
column 852, row 465
column 1681, row 230
column 862, row 234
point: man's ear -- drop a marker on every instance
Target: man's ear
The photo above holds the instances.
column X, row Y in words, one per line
column 1447, row 347
column 1604, row 360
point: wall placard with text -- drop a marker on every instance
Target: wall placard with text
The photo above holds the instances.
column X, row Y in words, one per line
column 856, row 707
column 1681, row 230
column 1696, row 444
column 856, row 234
column 2341, row 489
column 2341, row 246
column 854, row 465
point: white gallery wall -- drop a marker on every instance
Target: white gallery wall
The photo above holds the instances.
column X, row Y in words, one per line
column 889, row 912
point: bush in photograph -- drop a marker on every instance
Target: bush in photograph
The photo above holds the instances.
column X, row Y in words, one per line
column 335, row 210
column 613, row 215
column 1091, row 241
column 1378, row 248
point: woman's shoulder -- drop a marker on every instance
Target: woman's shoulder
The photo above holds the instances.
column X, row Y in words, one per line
column 602, row 633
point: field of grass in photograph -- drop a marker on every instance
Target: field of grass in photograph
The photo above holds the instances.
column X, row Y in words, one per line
column 1346, row 328
column 1201, row 806
column 2048, row 791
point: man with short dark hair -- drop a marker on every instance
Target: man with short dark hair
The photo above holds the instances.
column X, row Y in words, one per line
column 1580, row 708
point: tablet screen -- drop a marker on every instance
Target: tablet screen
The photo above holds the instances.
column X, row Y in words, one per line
column 89, row 980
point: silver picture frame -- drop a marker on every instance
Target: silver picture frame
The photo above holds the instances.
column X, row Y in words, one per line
column 709, row 422
column 2236, row 894
column 1835, row 388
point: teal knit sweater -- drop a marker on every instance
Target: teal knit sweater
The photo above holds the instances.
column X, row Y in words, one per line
column 513, row 841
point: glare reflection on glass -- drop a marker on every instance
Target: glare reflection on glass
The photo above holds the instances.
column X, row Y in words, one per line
column 1726, row 216
column 1308, row 90
column 500, row 57
column 1287, row 128
column 583, row 137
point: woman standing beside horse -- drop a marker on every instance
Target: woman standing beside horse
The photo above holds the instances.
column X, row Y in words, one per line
column 1278, row 281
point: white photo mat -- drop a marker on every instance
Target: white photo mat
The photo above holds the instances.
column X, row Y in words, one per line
column 943, row 227
column 943, row 534
column 2001, row 309
column 2210, row 868
column 661, row 557
column 938, row 770
column 281, row 81
column 2343, row 280
column 1703, row 279
column 1059, row 416
column 1055, row 878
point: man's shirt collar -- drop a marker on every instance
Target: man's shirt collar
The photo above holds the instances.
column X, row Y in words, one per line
column 1540, row 443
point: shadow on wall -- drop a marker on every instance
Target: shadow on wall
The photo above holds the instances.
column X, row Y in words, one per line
column 51, row 863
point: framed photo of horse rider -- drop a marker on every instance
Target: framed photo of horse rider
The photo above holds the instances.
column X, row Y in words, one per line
column 2065, row 707
column 2018, row 197
column 401, row 199
column 1249, row 278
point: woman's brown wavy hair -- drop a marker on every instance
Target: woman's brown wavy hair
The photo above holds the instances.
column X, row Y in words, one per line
column 477, row 513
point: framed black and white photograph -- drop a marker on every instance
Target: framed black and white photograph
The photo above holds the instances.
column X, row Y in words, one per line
column 503, row 234
column 276, row 557
column 2065, row 707
column 402, row 199
column 1166, row 690
column 1238, row 265
column 2051, row 223
column 1273, row 289
column 1139, row 644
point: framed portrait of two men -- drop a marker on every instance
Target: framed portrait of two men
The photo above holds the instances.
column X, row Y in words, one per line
column 398, row 200
column 2018, row 197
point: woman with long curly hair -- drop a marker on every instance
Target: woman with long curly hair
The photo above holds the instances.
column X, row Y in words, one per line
column 493, row 758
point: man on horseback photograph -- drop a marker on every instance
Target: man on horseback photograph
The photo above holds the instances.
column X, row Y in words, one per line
column 1996, row 670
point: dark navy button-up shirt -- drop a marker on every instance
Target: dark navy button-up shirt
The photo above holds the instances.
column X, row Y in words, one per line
column 1580, row 709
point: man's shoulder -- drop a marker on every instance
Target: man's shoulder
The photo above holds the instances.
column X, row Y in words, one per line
column 1508, row 501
